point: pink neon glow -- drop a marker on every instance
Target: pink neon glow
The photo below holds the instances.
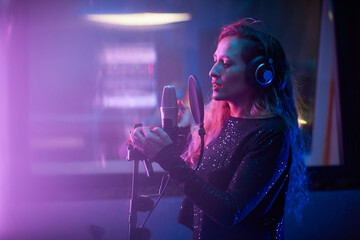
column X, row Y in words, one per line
column 4, row 158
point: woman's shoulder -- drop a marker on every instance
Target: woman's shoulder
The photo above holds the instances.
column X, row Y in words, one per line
column 272, row 123
column 275, row 123
column 271, row 128
column 258, row 130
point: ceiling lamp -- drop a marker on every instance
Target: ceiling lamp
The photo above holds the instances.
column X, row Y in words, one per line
column 139, row 19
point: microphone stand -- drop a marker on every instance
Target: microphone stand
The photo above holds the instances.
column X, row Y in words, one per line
column 201, row 133
column 138, row 203
column 143, row 203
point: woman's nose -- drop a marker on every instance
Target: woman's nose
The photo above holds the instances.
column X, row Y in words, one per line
column 214, row 73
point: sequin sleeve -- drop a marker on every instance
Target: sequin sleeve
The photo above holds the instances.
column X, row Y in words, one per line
column 254, row 176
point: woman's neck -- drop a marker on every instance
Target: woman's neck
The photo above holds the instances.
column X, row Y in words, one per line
column 240, row 111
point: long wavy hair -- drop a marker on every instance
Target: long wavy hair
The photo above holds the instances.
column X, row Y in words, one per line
column 276, row 99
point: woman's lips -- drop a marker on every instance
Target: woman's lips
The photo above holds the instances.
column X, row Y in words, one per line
column 216, row 85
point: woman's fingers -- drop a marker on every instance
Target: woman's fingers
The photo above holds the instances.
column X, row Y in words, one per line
column 182, row 106
column 138, row 134
column 164, row 137
column 184, row 118
column 150, row 140
column 138, row 138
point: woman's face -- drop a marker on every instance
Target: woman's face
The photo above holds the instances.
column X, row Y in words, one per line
column 228, row 73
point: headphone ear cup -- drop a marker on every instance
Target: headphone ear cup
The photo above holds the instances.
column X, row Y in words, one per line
column 259, row 72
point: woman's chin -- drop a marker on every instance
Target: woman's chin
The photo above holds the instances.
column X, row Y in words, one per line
column 216, row 97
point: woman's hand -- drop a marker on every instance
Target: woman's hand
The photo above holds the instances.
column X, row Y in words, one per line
column 184, row 116
column 150, row 140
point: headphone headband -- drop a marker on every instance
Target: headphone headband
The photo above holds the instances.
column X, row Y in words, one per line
column 262, row 70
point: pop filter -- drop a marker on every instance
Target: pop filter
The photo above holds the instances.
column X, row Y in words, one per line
column 196, row 100
column 197, row 110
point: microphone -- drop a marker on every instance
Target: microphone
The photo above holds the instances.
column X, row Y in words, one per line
column 169, row 123
column 169, row 112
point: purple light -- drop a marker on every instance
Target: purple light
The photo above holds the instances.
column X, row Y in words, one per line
column 4, row 135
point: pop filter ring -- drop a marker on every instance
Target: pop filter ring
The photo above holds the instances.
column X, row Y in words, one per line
column 197, row 110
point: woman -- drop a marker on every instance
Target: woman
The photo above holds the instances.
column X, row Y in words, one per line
column 252, row 146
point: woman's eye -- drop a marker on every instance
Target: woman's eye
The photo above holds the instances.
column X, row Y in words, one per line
column 227, row 64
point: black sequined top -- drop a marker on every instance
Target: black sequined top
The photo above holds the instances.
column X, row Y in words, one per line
column 239, row 190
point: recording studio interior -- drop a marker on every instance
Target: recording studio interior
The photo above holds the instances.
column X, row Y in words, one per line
column 76, row 77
